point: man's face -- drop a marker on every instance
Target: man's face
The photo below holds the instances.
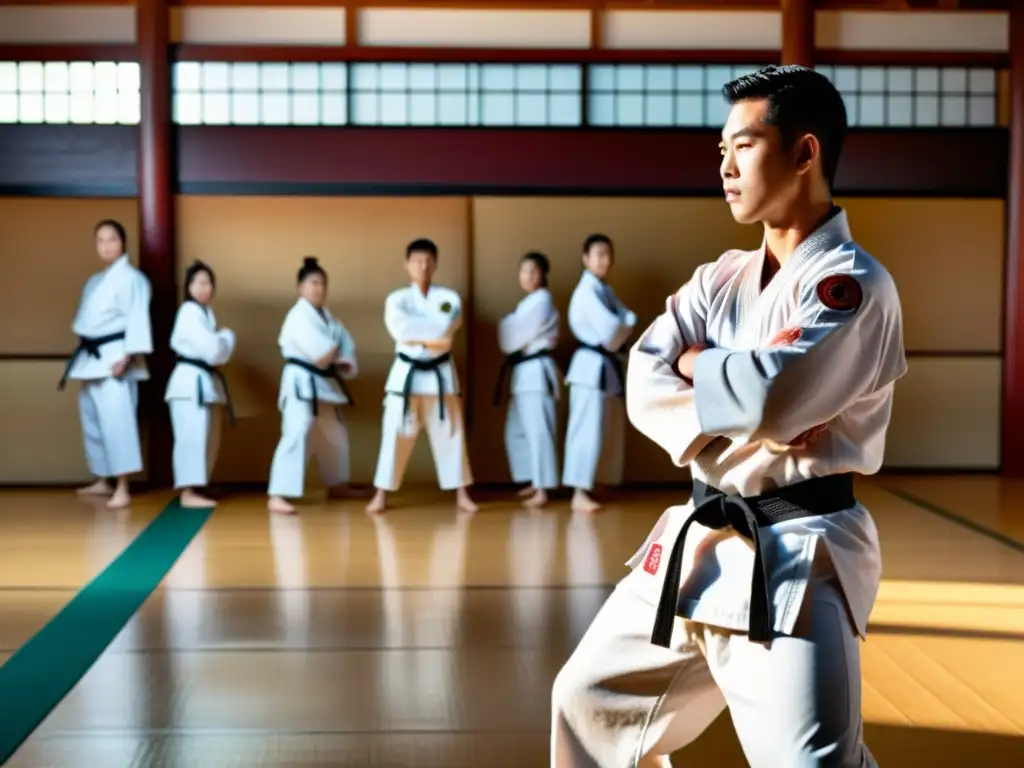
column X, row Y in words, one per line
column 421, row 266
column 599, row 259
column 759, row 177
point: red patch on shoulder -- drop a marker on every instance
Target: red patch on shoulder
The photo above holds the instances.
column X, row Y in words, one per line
column 653, row 561
column 840, row 292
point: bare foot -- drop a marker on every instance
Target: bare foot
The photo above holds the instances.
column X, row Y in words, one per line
column 120, row 499
column 463, row 502
column 581, row 502
column 99, row 488
column 539, row 499
column 192, row 500
column 526, row 492
column 279, row 506
column 378, row 503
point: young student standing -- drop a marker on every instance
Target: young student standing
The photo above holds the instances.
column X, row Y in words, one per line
column 422, row 389
column 114, row 332
column 528, row 336
column 319, row 356
column 594, row 440
column 197, row 392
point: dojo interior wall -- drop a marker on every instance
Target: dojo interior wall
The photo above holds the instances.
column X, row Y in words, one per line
column 946, row 256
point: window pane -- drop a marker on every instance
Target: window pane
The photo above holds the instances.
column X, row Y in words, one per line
column 872, row 80
column 629, row 77
column 659, row 109
column 216, row 108
column 364, row 109
column 81, row 107
column 689, row 109
column 982, row 81
column 333, row 77
column 56, row 77
column 394, row 77
column 305, row 77
column 716, row 110
column 901, row 110
column 601, row 109
column 715, row 79
column 629, row 109
column 827, row 71
column 954, row 80
column 8, row 108
column 188, row 108
column 852, row 113
column 105, row 106
column 531, row 109
column 129, row 108
column 926, row 80
column 982, row 110
column 845, row 79
column 659, row 79
column 531, row 77
column 901, row 80
column 423, row 109
column 451, row 109
column 954, row 110
column 216, row 76
column 274, row 109
column 8, row 77
column 30, row 107
column 245, row 76
column 926, row 110
column 602, row 77
column 422, row 77
column 394, row 108
column 273, row 77
column 689, row 78
column 452, row 77
column 565, row 77
column 498, row 77
column 30, row 77
column 56, row 108
column 564, row 109
column 333, row 109
column 105, row 77
column 872, row 109
column 188, row 76
column 128, row 76
column 245, row 108
column 81, row 77
column 305, row 108
column 498, row 109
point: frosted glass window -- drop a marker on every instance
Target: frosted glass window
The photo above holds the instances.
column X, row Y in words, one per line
column 333, row 77
column 601, row 109
column 81, row 107
column 602, row 78
column 828, row 71
column 56, row 78
column 8, row 108
column 452, row 77
column 872, row 110
column 422, row 77
column 105, row 77
column 57, row 108
column 245, row 77
column 393, row 77
column 217, row 108
column 629, row 109
column 274, row 108
column 30, row 77
column 659, row 109
column 129, row 77
column 333, row 108
column 531, row 109
column 188, row 76
column 105, row 106
column 245, row 108
column 422, row 109
column 926, row 80
column 982, row 110
column 872, row 80
column 394, row 109
column 305, row 108
column 901, row 80
column 716, row 110
column 926, row 110
column 715, row 78
column 660, row 79
column 689, row 109
column 565, row 78
column 564, row 109
column 306, row 77
column 274, row 76
column 188, row 108
column 630, row 78
column 954, row 110
column 452, row 109
column 845, row 79
column 498, row 108
column 498, row 77
column 954, row 80
column 901, row 111
column 852, row 113
column 531, row 77
column 30, row 108
column 364, row 77
column 129, row 108
column 8, row 77
column 982, row 81
column 364, row 108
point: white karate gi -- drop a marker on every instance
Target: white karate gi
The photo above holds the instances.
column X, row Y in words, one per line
column 795, row 702
column 531, row 423
column 595, row 435
column 194, row 395
column 114, row 301
column 310, row 404
column 411, row 400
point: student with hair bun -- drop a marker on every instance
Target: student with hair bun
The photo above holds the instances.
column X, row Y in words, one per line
column 319, row 355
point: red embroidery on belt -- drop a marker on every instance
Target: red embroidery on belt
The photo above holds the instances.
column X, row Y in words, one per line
column 840, row 292
column 653, row 561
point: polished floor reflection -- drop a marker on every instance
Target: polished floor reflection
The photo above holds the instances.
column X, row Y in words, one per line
column 431, row 639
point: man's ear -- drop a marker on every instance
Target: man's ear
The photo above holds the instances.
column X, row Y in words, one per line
column 806, row 152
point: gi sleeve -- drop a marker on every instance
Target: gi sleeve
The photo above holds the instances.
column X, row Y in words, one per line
column 138, row 333
column 404, row 327
column 347, row 352
column 850, row 345
column 530, row 321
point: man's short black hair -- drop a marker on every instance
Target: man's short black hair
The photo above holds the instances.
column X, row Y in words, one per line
column 596, row 239
column 424, row 245
column 800, row 101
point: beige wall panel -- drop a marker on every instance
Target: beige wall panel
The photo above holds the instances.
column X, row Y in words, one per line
column 465, row 28
column 947, row 259
column 67, row 24
column 41, row 439
column 258, row 26
column 256, row 245
column 946, row 414
column 695, row 30
column 659, row 242
column 49, row 242
column 918, row 31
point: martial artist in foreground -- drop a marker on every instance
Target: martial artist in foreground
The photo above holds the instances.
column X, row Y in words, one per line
column 197, row 391
column 528, row 336
column 113, row 329
column 422, row 388
column 319, row 356
column 771, row 374
column 595, row 434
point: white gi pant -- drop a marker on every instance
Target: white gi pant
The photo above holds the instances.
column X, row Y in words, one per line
column 110, row 428
column 325, row 436
column 595, row 450
column 530, row 429
column 795, row 704
column 447, row 441
column 197, row 431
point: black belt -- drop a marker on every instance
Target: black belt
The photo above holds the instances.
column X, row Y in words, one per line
column 423, row 366
column 330, row 372
column 616, row 362
column 216, row 373
column 89, row 345
column 510, row 362
column 716, row 510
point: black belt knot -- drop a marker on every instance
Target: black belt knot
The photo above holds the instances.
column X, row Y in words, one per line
column 217, row 374
column 330, row 372
column 423, row 366
column 89, row 345
column 616, row 362
column 717, row 510
column 509, row 363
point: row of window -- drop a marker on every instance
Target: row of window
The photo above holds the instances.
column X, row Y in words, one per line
column 424, row 94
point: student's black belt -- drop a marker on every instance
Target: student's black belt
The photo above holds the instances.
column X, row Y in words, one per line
column 330, row 372
column 89, row 345
column 616, row 362
column 423, row 366
column 217, row 374
column 509, row 363
column 717, row 510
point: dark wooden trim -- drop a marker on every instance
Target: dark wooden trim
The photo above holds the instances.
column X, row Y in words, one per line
column 798, row 32
column 1013, row 340
column 156, row 221
column 912, row 58
column 68, row 52
column 70, row 190
column 954, row 353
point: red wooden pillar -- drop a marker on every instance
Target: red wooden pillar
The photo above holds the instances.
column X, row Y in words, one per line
column 156, row 222
column 798, row 32
column 1013, row 339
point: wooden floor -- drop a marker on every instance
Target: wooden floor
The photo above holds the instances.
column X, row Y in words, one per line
column 431, row 640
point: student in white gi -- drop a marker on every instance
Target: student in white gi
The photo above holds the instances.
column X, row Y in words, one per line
column 771, row 372
column 113, row 329
column 528, row 336
column 422, row 389
column 595, row 435
column 197, row 392
column 319, row 356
